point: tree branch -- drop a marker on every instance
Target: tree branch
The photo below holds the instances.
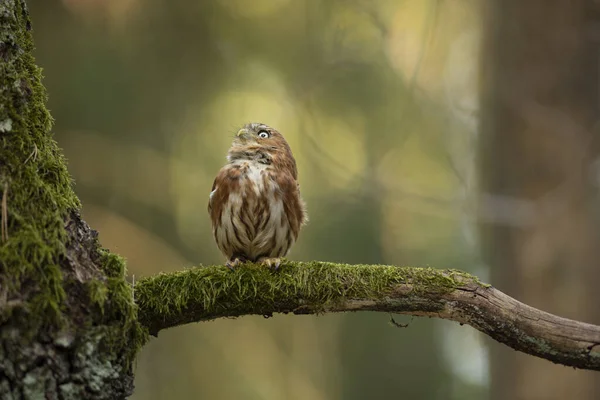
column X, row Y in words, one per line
column 207, row 293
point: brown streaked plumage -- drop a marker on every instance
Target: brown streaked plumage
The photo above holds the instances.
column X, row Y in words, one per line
column 255, row 205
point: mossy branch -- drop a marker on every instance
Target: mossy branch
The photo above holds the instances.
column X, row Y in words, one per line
column 207, row 293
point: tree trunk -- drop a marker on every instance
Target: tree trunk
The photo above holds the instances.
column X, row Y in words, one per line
column 540, row 101
column 68, row 323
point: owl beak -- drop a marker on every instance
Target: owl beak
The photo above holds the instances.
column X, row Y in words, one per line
column 243, row 134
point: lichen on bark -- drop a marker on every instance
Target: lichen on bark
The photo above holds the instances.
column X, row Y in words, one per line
column 68, row 323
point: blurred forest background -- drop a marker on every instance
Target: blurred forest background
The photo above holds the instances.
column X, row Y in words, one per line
column 448, row 133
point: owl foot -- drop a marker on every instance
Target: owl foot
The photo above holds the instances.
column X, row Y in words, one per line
column 234, row 262
column 273, row 263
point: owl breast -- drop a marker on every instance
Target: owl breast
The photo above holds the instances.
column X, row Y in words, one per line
column 252, row 221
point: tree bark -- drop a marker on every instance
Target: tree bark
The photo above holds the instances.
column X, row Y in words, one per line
column 539, row 141
column 68, row 327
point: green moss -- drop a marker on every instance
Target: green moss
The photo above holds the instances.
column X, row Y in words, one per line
column 125, row 335
column 116, row 316
column 33, row 175
column 98, row 293
column 113, row 264
column 211, row 291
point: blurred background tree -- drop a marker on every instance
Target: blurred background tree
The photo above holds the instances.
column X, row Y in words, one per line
column 539, row 156
column 379, row 101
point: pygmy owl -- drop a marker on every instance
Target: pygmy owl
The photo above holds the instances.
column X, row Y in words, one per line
column 255, row 205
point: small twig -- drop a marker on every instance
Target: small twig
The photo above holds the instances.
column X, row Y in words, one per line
column 33, row 154
column 4, row 222
column 399, row 325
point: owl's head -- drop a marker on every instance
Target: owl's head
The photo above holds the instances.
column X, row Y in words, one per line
column 260, row 142
column 256, row 134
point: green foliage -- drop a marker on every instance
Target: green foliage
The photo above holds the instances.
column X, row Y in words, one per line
column 213, row 291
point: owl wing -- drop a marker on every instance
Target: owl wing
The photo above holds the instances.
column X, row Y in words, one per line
column 226, row 180
column 293, row 205
column 213, row 190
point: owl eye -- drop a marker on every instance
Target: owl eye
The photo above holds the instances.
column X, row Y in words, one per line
column 263, row 134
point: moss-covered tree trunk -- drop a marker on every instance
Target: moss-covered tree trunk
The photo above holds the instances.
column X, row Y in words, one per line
column 68, row 326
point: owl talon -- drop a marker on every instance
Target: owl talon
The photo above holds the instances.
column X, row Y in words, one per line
column 233, row 263
column 273, row 263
